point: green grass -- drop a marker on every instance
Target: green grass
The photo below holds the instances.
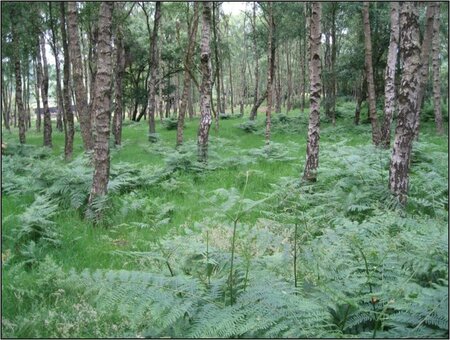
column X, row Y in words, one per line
column 87, row 246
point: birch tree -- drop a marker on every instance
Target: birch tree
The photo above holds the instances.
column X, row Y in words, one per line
column 312, row 145
column 205, row 88
column 389, row 86
column 407, row 101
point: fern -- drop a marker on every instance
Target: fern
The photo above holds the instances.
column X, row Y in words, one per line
column 35, row 222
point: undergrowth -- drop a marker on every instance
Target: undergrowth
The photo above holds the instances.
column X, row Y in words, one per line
column 238, row 247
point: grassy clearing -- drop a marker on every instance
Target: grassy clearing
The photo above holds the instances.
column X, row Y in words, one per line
column 175, row 215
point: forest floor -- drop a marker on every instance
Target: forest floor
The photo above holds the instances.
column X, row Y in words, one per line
column 168, row 218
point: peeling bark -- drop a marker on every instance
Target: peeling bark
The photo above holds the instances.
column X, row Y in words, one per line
column 389, row 87
column 205, row 88
column 407, row 101
column 312, row 146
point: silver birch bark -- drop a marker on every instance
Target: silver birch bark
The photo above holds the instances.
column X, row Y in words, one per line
column 407, row 101
column 205, row 88
column 312, row 145
column 389, row 87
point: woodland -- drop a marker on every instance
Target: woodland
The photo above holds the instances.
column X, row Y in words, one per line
column 224, row 170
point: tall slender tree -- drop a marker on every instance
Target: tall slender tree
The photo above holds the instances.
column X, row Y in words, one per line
column 312, row 146
column 369, row 74
column 188, row 61
column 217, row 64
column 55, row 50
column 68, row 113
column 153, row 73
column 118, row 88
column 205, row 88
column 254, row 110
column 18, row 73
column 270, row 69
column 436, row 70
column 425, row 62
column 289, row 79
column 102, row 103
column 44, row 93
column 37, row 85
column 77, row 67
column 389, row 85
column 407, row 100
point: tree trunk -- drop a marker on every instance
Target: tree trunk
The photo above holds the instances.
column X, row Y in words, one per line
column 407, row 101
column 326, row 84
column 93, row 65
column 389, row 87
column 77, row 67
column 6, row 102
column 231, row 87
column 191, row 101
column 333, row 83
column 289, row 80
column 37, row 85
column 369, row 74
column 118, row 91
column 68, row 114
column 187, row 79
column 360, row 96
column 205, row 88
column 27, row 96
column 44, row 93
column 216, row 66
column 153, row 73
column 277, row 81
column 306, row 54
column 425, row 61
column 436, row 71
column 102, row 103
column 254, row 110
column 270, row 71
column 17, row 69
column 223, row 102
column 59, row 94
column 312, row 146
